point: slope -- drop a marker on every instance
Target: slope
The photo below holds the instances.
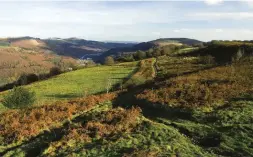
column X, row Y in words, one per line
column 193, row 107
column 15, row 61
column 81, row 82
column 177, row 41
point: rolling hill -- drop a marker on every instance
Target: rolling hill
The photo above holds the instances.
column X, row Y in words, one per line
column 72, row 47
column 15, row 61
column 80, row 48
column 144, row 46
column 177, row 41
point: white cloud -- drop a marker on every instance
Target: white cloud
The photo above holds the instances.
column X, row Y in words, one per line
column 212, row 34
column 213, row 2
column 248, row 2
column 222, row 15
column 182, row 30
column 91, row 13
column 218, row 30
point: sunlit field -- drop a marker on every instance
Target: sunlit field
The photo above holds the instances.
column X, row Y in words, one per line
column 81, row 82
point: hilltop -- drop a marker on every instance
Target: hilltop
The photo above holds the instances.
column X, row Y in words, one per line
column 167, row 41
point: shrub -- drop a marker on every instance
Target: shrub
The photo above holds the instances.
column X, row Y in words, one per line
column 55, row 71
column 19, row 97
column 139, row 55
column 109, row 60
column 238, row 55
column 27, row 78
column 206, row 59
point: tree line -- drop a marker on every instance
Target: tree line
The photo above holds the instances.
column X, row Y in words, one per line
column 139, row 55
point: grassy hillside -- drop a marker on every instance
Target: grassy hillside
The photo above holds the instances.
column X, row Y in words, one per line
column 81, row 82
column 187, row 105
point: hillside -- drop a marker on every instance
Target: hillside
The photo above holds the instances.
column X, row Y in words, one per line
column 80, row 82
column 175, row 105
column 15, row 61
column 73, row 47
column 177, row 41
column 79, row 48
column 38, row 56
column 124, row 50
column 144, row 46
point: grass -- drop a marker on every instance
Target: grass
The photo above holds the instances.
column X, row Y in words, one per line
column 146, row 72
column 185, row 50
column 81, row 82
column 3, row 44
column 174, row 66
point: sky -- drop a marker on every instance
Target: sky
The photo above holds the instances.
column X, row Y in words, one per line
column 128, row 20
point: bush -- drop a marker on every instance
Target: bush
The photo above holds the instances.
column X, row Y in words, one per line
column 109, row 60
column 139, row 55
column 54, row 71
column 27, row 78
column 19, row 97
column 206, row 59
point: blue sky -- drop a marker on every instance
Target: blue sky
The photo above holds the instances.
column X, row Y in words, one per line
column 129, row 20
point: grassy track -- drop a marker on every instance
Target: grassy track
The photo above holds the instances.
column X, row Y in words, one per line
column 146, row 72
column 80, row 83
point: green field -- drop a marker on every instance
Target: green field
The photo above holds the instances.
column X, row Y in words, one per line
column 186, row 50
column 3, row 43
column 81, row 82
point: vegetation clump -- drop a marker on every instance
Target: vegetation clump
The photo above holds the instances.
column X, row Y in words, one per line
column 109, row 60
column 19, row 97
column 20, row 125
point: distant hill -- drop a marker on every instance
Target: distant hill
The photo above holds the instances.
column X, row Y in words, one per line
column 123, row 50
column 79, row 47
column 180, row 41
column 73, row 47
column 144, row 46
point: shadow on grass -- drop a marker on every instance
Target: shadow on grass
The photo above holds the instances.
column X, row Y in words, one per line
column 245, row 97
column 64, row 96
